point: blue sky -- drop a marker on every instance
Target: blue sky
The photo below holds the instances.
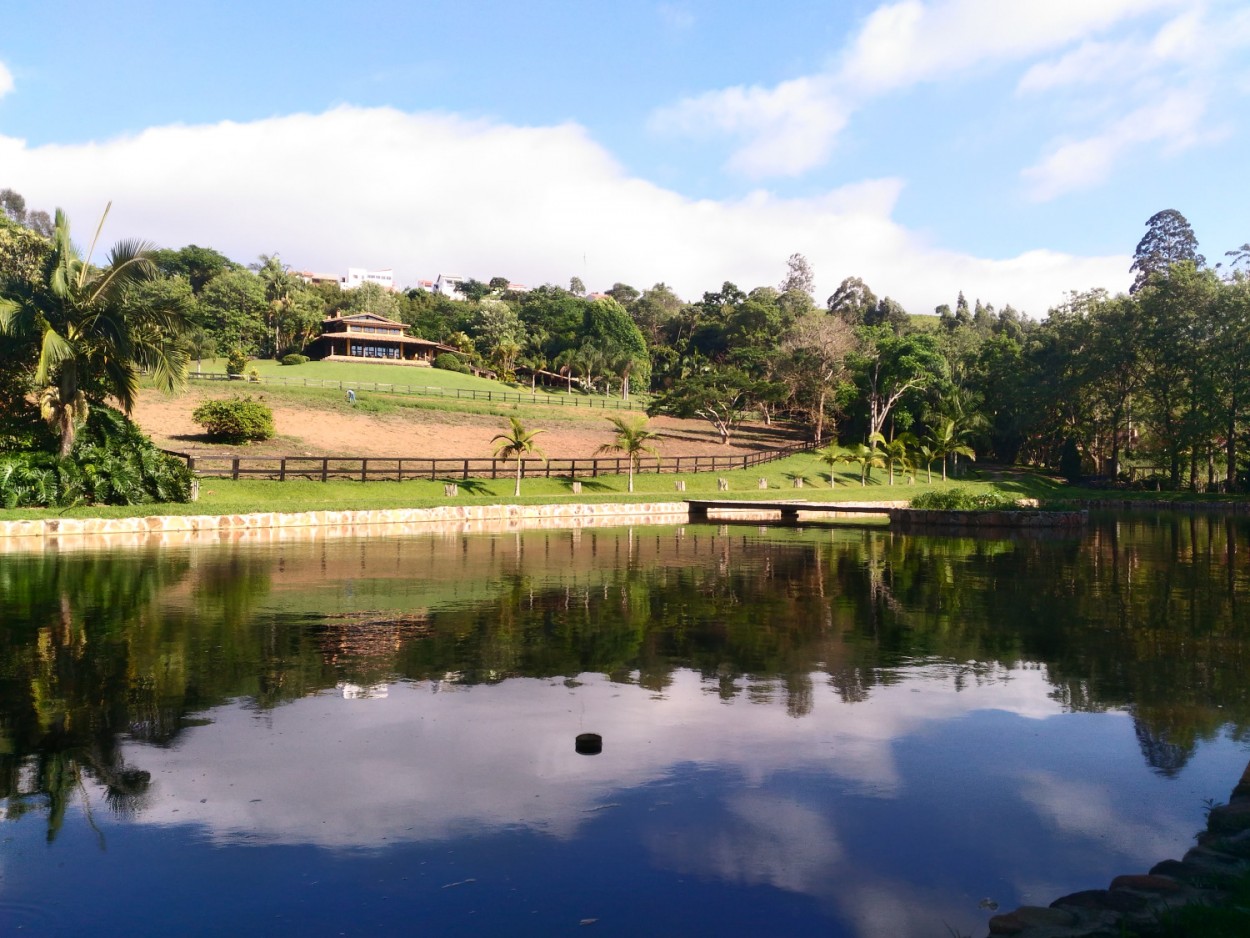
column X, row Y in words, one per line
column 1011, row 150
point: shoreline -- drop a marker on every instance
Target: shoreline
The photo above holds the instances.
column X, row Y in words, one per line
column 39, row 534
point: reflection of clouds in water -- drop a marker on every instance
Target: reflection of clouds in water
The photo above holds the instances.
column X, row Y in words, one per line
column 896, row 909
column 1087, row 810
column 765, row 840
column 415, row 765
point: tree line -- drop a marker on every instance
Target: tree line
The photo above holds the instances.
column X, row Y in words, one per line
column 1152, row 383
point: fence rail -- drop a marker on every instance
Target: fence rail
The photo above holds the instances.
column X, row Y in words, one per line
column 398, row 469
column 556, row 399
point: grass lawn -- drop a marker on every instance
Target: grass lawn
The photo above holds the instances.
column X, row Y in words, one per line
column 400, row 379
column 384, row 402
column 223, row 496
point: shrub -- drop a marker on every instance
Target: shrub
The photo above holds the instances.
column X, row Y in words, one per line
column 236, row 361
column 112, row 463
column 238, row 420
column 449, row 362
column 960, row 499
column 295, row 359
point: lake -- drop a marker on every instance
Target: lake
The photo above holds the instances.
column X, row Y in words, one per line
column 804, row 730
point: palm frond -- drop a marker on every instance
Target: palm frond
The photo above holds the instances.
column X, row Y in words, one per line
column 95, row 239
column 54, row 350
column 129, row 262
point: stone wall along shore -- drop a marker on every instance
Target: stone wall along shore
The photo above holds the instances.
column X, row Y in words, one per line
column 59, row 534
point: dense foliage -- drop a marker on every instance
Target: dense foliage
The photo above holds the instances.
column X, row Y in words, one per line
column 1150, row 387
column 958, row 499
column 238, row 420
column 113, row 464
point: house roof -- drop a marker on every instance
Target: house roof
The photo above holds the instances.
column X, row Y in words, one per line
column 364, row 317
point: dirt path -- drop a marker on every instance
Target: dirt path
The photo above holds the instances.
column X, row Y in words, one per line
column 316, row 429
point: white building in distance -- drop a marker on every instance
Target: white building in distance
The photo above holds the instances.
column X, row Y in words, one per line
column 358, row 275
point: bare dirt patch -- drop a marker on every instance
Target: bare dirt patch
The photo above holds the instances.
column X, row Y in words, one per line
column 315, row 429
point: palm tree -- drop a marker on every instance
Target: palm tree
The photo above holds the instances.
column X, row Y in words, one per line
column 94, row 339
column 945, row 442
column 868, row 457
column 514, row 444
column 568, row 363
column 894, row 452
column 928, row 456
column 633, row 439
column 832, row 456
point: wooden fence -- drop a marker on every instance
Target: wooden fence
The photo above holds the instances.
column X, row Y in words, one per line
column 555, row 399
column 397, row 469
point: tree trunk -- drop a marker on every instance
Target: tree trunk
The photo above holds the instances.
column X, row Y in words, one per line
column 1230, row 449
column 517, row 493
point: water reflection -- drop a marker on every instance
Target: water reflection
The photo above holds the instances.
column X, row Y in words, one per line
column 833, row 715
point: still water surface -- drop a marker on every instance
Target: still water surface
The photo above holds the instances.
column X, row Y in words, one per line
column 805, row 731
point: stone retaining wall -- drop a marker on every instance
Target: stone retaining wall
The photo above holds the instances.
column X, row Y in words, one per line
column 1133, row 904
column 905, row 518
column 176, row 530
column 1237, row 507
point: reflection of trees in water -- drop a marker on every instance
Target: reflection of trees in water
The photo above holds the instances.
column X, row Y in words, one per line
column 1141, row 614
column 65, row 682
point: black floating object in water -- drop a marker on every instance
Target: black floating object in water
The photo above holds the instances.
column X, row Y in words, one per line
column 589, row 744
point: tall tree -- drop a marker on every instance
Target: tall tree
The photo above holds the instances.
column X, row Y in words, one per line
column 94, row 339
column 891, row 366
column 816, row 351
column 852, row 300
column 1168, row 240
column 720, row 396
column 607, row 326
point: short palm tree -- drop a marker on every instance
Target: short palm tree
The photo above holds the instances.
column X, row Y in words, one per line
column 945, row 442
column 895, row 452
column 832, row 456
column 869, row 458
column 928, row 455
column 633, row 439
column 94, row 337
column 516, row 444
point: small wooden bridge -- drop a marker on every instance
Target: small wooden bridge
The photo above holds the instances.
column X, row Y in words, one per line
column 789, row 510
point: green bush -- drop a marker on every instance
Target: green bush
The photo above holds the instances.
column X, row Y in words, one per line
column 238, row 420
column 960, row 499
column 112, row 463
column 295, row 359
column 449, row 362
column 236, row 361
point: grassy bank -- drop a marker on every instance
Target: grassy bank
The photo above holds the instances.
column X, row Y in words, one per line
column 223, row 496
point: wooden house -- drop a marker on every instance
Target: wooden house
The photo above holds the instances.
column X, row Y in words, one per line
column 370, row 337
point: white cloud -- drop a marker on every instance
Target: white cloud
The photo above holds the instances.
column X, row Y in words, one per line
column 792, row 127
column 1163, row 84
column 6, row 80
column 1091, row 63
column 788, row 129
column 1174, row 120
column 425, row 193
column 909, row 42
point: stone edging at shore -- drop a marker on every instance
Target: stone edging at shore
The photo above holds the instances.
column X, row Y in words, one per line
column 171, row 530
